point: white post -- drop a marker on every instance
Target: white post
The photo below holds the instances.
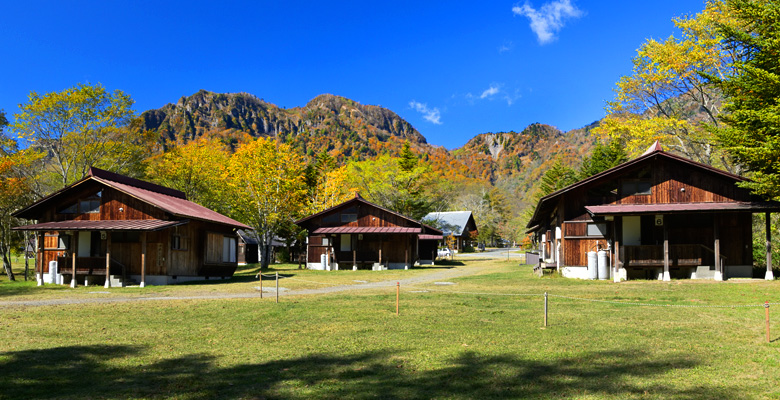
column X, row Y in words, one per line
column 74, row 248
column 718, row 264
column 769, row 275
column 666, row 277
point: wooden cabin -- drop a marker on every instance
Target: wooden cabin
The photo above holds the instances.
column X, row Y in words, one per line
column 112, row 229
column 459, row 225
column 247, row 248
column 358, row 234
column 659, row 216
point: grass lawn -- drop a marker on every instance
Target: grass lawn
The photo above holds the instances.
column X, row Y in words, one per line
column 458, row 341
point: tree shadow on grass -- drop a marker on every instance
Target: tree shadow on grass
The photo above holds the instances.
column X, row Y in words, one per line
column 443, row 263
column 29, row 287
column 104, row 371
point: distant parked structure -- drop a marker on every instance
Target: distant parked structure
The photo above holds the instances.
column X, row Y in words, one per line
column 109, row 229
column 358, row 234
column 659, row 216
column 458, row 224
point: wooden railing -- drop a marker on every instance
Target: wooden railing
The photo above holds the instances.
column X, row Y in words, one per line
column 89, row 266
column 653, row 255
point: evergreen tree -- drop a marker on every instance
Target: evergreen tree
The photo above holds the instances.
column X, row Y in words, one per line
column 752, row 135
column 408, row 160
column 557, row 177
column 602, row 158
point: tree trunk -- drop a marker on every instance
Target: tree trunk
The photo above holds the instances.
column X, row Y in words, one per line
column 26, row 255
column 4, row 248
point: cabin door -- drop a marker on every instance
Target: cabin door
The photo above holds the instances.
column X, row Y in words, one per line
column 89, row 244
column 632, row 230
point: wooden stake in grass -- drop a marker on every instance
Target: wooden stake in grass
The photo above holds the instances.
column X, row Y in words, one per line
column 277, row 287
column 545, row 309
column 766, row 307
column 397, row 296
column 261, row 283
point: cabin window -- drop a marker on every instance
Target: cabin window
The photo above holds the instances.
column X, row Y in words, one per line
column 330, row 219
column 220, row 248
column 89, row 206
column 71, row 209
column 631, row 188
column 597, row 229
column 63, row 242
column 228, row 249
column 348, row 217
column 326, row 241
column 178, row 242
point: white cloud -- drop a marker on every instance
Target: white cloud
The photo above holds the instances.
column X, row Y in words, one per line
column 511, row 98
column 548, row 20
column 493, row 89
column 432, row 115
column 505, row 47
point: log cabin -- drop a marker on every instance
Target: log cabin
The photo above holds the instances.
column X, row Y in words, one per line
column 659, row 216
column 119, row 230
column 459, row 225
column 358, row 234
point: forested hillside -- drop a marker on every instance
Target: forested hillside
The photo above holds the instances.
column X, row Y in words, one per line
column 342, row 127
column 347, row 130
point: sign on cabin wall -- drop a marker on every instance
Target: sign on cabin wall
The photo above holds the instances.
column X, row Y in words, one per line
column 659, row 220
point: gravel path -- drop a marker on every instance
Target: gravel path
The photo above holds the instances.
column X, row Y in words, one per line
column 438, row 275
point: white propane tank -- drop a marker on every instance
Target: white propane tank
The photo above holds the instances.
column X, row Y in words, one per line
column 324, row 261
column 603, row 265
column 53, row 271
column 592, row 265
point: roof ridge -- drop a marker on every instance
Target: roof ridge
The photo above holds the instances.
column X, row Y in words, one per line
column 152, row 187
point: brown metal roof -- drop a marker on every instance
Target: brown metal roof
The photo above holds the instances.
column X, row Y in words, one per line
column 365, row 229
column 431, row 237
column 671, row 208
column 357, row 199
column 167, row 199
column 104, row 225
column 174, row 205
column 653, row 151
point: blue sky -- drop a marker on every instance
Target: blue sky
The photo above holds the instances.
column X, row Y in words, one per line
column 452, row 69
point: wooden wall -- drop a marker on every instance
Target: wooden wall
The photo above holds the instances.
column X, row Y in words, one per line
column 367, row 216
column 160, row 258
column 396, row 248
column 111, row 202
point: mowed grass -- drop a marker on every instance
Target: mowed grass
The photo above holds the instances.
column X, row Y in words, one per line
column 481, row 337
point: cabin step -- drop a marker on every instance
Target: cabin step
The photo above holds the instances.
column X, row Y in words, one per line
column 117, row 281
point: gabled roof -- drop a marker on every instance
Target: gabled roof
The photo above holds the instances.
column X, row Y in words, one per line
column 654, row 151
column 169, row 200
column 360, row 200
column 103, row 225
column 452, row 222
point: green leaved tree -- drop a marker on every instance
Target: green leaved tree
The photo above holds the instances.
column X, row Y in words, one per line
column 77, row 128
column 752, row 125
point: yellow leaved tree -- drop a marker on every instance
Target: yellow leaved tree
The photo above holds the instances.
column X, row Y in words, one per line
column 668, row 97
column 198, row 169
column 267, row 183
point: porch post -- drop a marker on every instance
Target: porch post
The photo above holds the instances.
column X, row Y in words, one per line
column 108, row 260
column 769, row 275
column 406, row 251
column 616, row 276
column 719, row 275
column 39, row 251
column 74, row 249
column 666, row 255
column 143, row 259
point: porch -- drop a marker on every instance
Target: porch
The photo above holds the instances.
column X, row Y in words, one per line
column 92, row 266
